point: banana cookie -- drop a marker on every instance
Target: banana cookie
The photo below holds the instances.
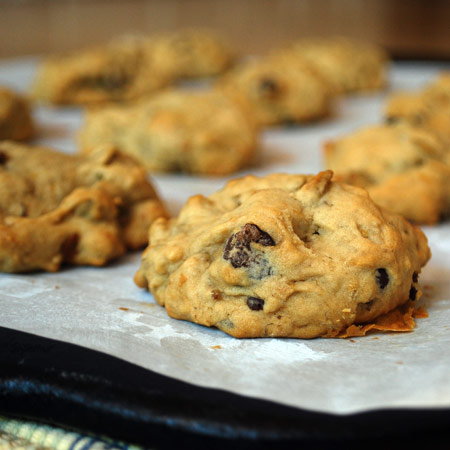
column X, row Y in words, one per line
column 193, row 132
column 121, row 70
column 428, row 108
column 347, row 66
column 279, row 90
column 191, row 53
column 403, row 168
column 15, row 116
column 57, row 208
column 283, row 256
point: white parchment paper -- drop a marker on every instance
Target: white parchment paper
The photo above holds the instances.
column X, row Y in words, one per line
column 102, row 309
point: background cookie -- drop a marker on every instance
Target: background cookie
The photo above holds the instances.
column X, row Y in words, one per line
column 403, row 168
column 15, row 116
column 278, row 90
column 428, row 108
column 284, row 255
column 57, row 208
column 346, row 65
column 191, row 53
column 123, row 69
column 193, row 132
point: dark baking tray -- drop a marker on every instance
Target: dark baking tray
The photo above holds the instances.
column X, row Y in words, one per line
column 85, row 390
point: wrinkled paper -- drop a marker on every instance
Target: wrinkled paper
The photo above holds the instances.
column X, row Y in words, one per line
column 102, row 309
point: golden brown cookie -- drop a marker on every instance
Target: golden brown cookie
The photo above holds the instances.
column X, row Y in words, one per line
column 403, row 168
column 347, row 65
column 283, row 256
column 428, row 108
column 15, row 116
column 194, row 132
column 57, row 208
column 191, row 53
column 121, row 70
column 278, row 89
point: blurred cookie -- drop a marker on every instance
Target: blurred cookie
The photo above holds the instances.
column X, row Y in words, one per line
column 57, row 208
column 428, row 108
column 346, row 65
column 283, row 256
column 191, row 53
column 122, row 70
column 403, row 168
column 278, row 90
column 15, row 116
column 194, row 132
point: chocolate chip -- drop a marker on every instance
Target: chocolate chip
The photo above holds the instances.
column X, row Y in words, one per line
column 415, row 277
column 239, row 252
column 382, row 278
column 366, row 306
column 412, row 293
column 3, row 158
column 269, row 87
column 392, row 120
column 255, row 304
column 108, row 82
column 69, row 247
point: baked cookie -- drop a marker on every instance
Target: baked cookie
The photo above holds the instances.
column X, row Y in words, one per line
column 194, row 132
column 283, row 256
column 278, row 90
column 428, row 108
column 347, row 66
column 121, row 70
column 191, row 53
column 15, row 116
column 401, row 166
column 57, row 208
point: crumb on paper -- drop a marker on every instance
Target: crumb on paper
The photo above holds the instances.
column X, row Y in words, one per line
column 216, row 347
column 124, row 309
column 400, row 319
column 56, row 287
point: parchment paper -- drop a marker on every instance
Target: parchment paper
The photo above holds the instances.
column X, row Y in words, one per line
column 102, row 309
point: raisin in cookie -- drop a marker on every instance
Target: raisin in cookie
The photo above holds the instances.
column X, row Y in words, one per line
column 193, row 132
column 284, row 255
column 121, row 70
column 15, row 116
column 57, row 208
column 403, row 168
column 348, row 66
column 278, row 90
column 191, row 53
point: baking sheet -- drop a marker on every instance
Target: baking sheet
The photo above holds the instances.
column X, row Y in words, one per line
column 102, row 309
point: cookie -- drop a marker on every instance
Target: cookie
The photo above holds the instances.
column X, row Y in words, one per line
column 346, row 65
column 15, row 116
column 193, row 132
column 278, row 90
column 121, row 70
column 283, row 256
column 191, row 53
column 403, row 168
column 57, row 208
column 428, row 108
